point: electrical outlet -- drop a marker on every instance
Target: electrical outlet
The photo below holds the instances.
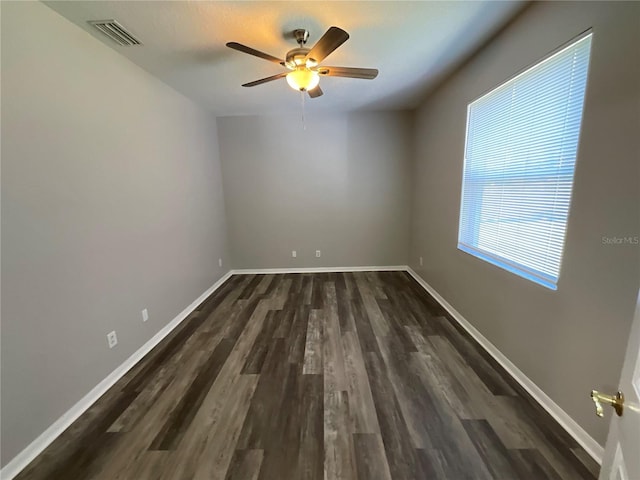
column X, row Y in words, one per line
column 294, row 254
column 318, row 253
column 219, row 262
column 112, row 339
column 421, row 261
column 145, row 315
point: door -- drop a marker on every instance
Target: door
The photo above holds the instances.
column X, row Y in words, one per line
column 622, row 452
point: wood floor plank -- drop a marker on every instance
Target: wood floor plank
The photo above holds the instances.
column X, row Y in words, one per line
column 260, row 348
column 401, row 455
column 313, row 344
column 371, row 460
column 150, row 464
column 416, row 314
column 227, row 383
column 332, row 354
column 562, row 460
column 282, row 443
column 590, row 464
column 505, row 421
column 493, row 380
column 296, row 340
column 307, row 290
column 376, row 318
column 82, row 461
column 344, row 296
column 315, row 376
column 361, row 407
column 251, row 286
column 442, row 429
column 281, row 294
column 367, row 338
column 532, row 465
column 266, row 284
column 192, row 355
column 350, row 284
column 433, row 464
column 245, row 465
column 395, row 325
column 434, row 376
column 83, row 464
column 339, row 459
column 317, row 295
column 518, row 430
column 285, row 317
column 221, row 440
column 491, row 449
column 221, row 317
column 457, row 367
column 311, row 453
column 162, row 354
column 296, row 282
column 126, row 454
column 234, row 329
column 375, row 280
column 182, row 415
column 228, row 292
column 412, row 400
column 267, row 399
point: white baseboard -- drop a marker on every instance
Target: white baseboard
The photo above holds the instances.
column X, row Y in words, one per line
column 26, row 456
column 587, row 442
column 260, row 271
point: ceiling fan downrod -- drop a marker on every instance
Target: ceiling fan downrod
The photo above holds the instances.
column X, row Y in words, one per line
column 301, row 35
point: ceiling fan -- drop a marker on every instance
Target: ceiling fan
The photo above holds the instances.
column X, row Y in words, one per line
column 304, row 63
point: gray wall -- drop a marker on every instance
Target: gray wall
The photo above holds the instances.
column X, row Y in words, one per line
column 111, row 202
column 571, row 340
column 340, row 186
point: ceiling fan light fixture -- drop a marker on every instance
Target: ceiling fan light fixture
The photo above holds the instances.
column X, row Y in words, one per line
column 303, row 79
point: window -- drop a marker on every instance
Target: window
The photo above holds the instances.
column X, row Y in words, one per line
column 520, row 155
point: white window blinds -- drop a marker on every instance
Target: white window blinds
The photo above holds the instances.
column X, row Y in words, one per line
column 520, row 154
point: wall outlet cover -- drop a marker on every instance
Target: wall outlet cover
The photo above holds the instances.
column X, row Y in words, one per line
column 318, row 253
column 112, row 339
column 145, row 315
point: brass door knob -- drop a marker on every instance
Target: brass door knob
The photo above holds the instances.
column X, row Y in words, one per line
column 616, row 402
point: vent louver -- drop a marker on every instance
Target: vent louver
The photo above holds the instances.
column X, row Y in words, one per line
column 116, row 32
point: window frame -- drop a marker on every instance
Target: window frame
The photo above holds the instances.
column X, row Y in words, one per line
column 521, row 270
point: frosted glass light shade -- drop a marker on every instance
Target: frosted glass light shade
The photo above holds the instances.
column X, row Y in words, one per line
column 303, row 79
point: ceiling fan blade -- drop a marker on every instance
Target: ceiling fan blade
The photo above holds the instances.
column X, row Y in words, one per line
column 365, row 73
column 256, row 53
column 315, row 92
column 265, row 80
column 332, row 39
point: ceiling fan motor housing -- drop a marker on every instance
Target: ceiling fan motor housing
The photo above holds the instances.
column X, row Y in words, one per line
column 298, row 57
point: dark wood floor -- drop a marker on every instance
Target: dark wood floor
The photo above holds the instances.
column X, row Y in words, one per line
column 312, row 376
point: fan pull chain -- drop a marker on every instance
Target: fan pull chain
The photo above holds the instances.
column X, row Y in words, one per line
column 304, row 125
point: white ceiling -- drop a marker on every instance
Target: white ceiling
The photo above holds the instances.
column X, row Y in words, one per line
column 414, row 44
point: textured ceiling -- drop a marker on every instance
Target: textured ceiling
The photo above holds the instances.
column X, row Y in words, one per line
column 413, row 44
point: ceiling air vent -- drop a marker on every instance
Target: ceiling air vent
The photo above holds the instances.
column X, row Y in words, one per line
column 116, row 32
